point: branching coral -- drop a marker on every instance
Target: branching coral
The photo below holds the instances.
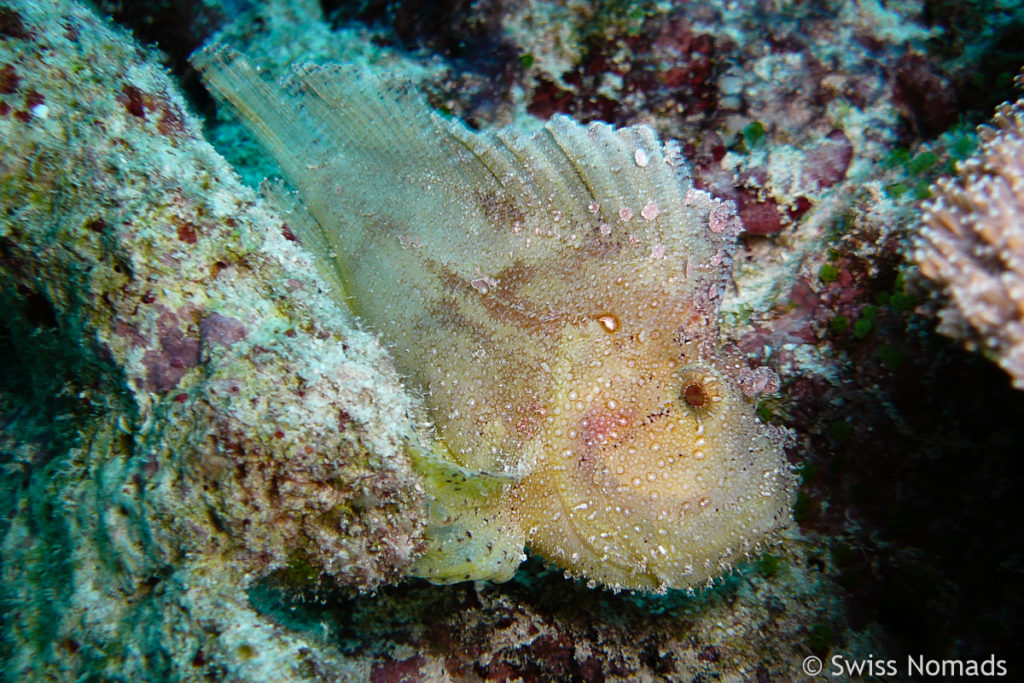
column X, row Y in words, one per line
column 973, row 243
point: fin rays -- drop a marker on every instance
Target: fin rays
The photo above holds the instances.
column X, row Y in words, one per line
column 332, row 127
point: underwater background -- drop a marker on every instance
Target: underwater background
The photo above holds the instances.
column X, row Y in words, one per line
column 205, row 458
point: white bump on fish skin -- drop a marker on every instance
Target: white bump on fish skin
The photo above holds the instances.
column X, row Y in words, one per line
column 625, row 213
column 674, row 154
column 483, row 284
column 723, row 218
column 640, row 157
column 650, row 210
column 609, row 322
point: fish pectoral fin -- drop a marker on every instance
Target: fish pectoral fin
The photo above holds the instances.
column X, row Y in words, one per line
column 475, row 544
column 470, row 534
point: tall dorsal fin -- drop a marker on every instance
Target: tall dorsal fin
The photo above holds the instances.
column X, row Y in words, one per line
column 368, row 154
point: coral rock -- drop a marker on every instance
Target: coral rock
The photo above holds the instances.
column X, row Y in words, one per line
column 972, row 244
column 190, row 410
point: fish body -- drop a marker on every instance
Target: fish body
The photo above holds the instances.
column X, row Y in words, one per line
column 555, row 300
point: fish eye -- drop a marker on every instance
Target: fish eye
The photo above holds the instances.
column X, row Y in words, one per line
column 700, row 392
column 695, row 395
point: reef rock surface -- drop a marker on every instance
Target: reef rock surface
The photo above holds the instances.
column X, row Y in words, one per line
column 184, row 410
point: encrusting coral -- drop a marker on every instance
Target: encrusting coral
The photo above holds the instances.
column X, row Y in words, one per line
column 199, row 411
column 556, row 300
column 972, row 243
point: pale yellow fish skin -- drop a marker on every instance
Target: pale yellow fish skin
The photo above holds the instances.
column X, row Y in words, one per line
column 555, row 298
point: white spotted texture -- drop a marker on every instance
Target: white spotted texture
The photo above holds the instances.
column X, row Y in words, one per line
column 567, row 350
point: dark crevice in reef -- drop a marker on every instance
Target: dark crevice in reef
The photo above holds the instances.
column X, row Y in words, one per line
column 929, row 472
column 464, row 617
column 177, row 28
column 979, row 49
column 991, row 82
column 50, row 383
column 467, row 33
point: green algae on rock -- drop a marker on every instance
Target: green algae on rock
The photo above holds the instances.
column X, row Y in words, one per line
column 555, row 298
